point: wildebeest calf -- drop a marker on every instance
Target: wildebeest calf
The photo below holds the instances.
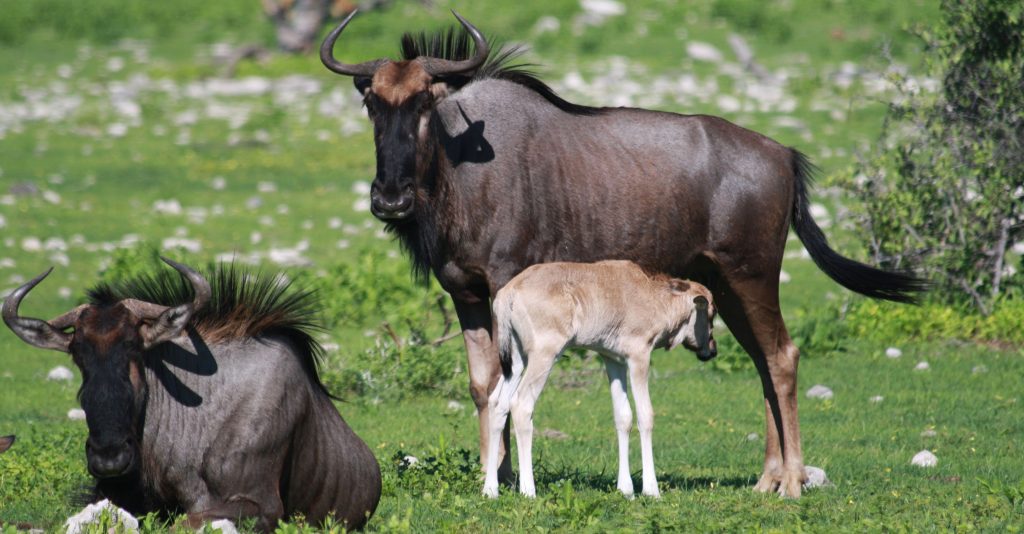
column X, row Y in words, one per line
column 612, row 307
column 206, row 400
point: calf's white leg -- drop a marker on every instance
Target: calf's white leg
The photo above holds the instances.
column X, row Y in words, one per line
column 498, row 408
column 639, row 365
column 539, row 366
column 623, row 420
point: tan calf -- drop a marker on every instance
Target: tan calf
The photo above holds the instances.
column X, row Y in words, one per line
column 612, row 307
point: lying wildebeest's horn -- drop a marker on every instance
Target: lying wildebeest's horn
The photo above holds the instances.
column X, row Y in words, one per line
column 5, row 443
column 438, row 67
column 166, row 322
column 327, row 54
column 37, row 332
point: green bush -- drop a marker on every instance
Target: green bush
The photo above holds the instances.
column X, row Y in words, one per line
column 943, row 193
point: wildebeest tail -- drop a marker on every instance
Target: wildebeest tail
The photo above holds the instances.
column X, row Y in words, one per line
column 503, row 324
column 853, row 275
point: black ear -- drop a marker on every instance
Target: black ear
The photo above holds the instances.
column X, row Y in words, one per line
column 362, row 83
column 167, row 326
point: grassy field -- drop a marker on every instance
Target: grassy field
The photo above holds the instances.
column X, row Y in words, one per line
column 118, row 137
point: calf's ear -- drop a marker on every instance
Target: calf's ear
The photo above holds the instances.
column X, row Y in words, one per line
column 679, row 286
column 5, row 443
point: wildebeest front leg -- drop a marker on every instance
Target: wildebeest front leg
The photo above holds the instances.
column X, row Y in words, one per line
column 239, row 507
column 484, row 369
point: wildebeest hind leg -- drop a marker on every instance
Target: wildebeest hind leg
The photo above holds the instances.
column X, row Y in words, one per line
column 484, row 369
column 750, row 307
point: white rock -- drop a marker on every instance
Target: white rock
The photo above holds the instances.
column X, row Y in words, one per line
column 1019, row 248
column 819, row 392
column 922, row 366
column 703, row 52
column 893, row 352
column 31, row 244
column 818, row 211
column 728, row 103
column 225, row 526
column 266, row 187
column 979, row 369
column 929, row 433
column 876, row 399
column 76, row 414
column 784, row 277
column 191, row 245
column 455, row 405
column 77, row 523
column 816, row 478
column 361, row 188
column 51, row 196
column 218, row 183
column 753, row 436
column 3, row 221
column 60, row 373
column 546, row 24
column 924, row 459
column 168, row 207
column 603, row 8
column 410, row 459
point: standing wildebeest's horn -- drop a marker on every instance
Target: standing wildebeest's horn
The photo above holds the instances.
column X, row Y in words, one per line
column 164, row 322
column 327, row 54
column 37, row 332
column 437, row 67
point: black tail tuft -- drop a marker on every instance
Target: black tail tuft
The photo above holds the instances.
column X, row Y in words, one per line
column 853, row 275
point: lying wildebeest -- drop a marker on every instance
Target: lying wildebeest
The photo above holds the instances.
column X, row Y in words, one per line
column 612, row 307
column 5, row 443
column 208, row 404
column 482, row 171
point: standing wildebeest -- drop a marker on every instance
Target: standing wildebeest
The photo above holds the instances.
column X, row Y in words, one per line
column 482, row 171
column 212, row 407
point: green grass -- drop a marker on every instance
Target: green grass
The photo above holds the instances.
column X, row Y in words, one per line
column 314, row 157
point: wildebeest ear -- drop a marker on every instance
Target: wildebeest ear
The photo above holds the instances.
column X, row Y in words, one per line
column 6, row 442
column 167, row 326
column 362, row 83
column 679, row 286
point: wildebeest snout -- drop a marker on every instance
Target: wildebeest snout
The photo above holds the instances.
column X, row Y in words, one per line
column 391, row 204
column 109, row 460
column 708, row 352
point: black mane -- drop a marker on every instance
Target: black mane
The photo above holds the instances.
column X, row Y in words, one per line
column 244, row 303
column 455, row 44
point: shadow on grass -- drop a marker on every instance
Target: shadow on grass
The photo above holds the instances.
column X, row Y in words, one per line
column 604, row 481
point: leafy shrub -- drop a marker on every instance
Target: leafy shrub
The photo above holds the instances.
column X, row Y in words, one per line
column 944, row 191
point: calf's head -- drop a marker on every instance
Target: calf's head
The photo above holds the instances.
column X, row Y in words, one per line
column 107, row 343
column 697, row 321
column 400, row 97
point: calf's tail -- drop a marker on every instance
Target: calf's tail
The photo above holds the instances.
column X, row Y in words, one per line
column 853, row 275
column 502, row 310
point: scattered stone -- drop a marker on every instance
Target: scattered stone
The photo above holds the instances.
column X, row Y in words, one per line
column 60, row 373
column 51, row 196
column 218, row 183
column 979, row 369
column 31, row 244
column 753, row 436
column 816, row 478
column 455, row 406
column 79, row 522
column 929, row 433
column 547, row 24
column 225, row 526
column 819, row 392
column 922, row 366
column 876, row 399
column 167, row 207
column 410, row 460
column 603, row 8
column 76, row 414
column 924, row 459
column 191, row 245
column 893, row 352
column 784, row 277
column 703, row 52
column 266, row 187
column 551, row 433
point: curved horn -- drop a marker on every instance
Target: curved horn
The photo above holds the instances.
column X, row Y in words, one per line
column 200, row 286
column 35, row 332
column 437, row 67
column 327, row 54
column 170, row 322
